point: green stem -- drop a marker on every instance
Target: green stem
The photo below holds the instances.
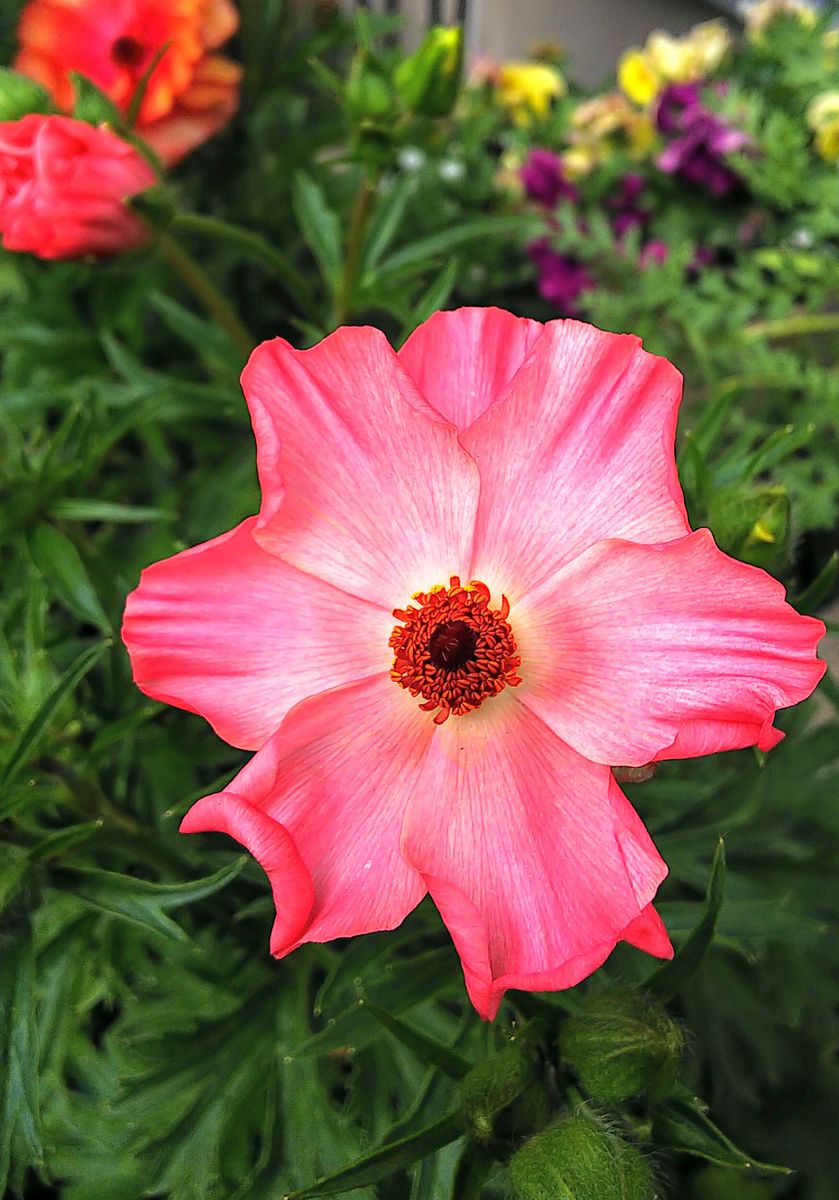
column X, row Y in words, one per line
column 783, row 327
column 206, row 291
column 355, row 239
column 255, row 246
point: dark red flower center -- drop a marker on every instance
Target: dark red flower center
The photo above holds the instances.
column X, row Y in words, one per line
column 453, row 649
column 128, row 52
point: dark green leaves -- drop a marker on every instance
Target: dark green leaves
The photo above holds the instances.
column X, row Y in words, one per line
column 675, row 975
column 683, row 1125
column 378, row 1164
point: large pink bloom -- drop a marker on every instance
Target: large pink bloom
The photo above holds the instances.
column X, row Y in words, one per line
column 415, row 735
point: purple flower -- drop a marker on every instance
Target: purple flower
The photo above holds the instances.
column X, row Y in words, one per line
column 653, row 252
column 701, row 140
column 628, row 213
column 673, row 101
column 543, row 176
column 562, row 279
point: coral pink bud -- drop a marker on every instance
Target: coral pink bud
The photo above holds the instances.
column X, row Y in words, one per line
column 63, row 187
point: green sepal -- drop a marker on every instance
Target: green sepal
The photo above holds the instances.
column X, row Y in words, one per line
column 20, row 95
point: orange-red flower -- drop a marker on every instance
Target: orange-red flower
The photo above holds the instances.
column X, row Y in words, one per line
column 63, row 187
column 191, row 92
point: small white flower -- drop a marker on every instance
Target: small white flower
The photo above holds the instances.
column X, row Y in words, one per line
column 411, row 158
column 451, row 170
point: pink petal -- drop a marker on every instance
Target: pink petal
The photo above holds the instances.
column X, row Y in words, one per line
column 639, row 652
column 462, row 361
column 237, row 635
column 320, row 806
column 534, row 857
column 580, row 449
column 647, row 932
column 364, row 485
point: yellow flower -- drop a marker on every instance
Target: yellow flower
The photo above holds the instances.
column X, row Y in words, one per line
column 641, row 133
column 636, row 77
column 710, row 42
column 762, row 14
column 602, row 115
column 528, row 89
column 672, row 59
column 698, row 53
column 827, row 140
column 580, row 160
column 823, row 109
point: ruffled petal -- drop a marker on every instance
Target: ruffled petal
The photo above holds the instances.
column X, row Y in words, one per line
column 634, row 653
column 463, row 361
column 320, row 807
column 580, row 449
column 364, row 485
column 237, row 635
column 533, row 855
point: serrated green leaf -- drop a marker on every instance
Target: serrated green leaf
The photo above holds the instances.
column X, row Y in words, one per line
column 319, row 225
column 29, row 737
column 378, row 1164
column 59, row 562
column 674, row 975
column 683, row 1125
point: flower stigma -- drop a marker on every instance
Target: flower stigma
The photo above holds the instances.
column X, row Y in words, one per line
column 128, row 52
column 454, row 650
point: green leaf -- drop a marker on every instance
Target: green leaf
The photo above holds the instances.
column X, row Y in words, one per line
column 446, row 240
column 435, row 297
column 92, row 105
column 165, row 895
column 319, row 225
column 58, row 843
column 674, row 975
column 815, row 594
column 76, row 508
column 386, row 220
column 378, row 1164
column 19, row 1100
column 14, row 863
column 684, row 1126
column 29, row 737
column 427, row 1049
column 59, row 562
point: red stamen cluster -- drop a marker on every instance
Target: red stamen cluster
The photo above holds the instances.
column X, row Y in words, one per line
column 454, row 650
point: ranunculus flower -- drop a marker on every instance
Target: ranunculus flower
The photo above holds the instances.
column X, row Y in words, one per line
column 471, row 588
column 63, row 187
column 190, row 94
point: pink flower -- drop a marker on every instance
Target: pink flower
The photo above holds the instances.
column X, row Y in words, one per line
column 470, row 590
column 63, row 187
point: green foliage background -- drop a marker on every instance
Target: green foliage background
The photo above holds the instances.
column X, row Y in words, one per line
column 149, row 1045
